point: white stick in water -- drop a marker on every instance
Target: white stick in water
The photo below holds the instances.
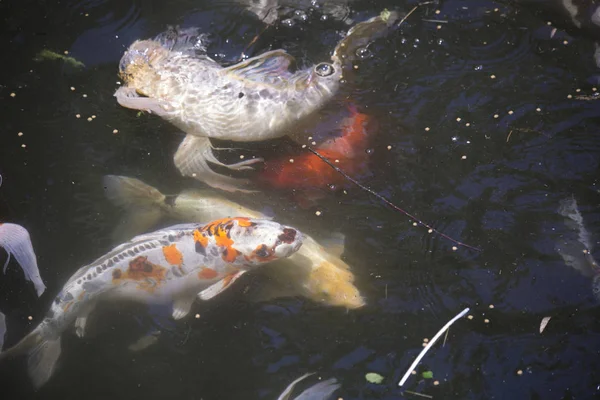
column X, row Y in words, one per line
column 431, row 342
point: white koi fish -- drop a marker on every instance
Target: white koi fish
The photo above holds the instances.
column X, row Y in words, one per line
column 578, row 253
column 174, row 266
column 320, row 391
column 316, row 271
column 16, row 241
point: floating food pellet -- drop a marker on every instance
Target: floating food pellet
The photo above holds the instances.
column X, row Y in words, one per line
column 356, row 67
column 458, row 119
column 538, row 109
column 496, row 10
column 242, row 157
column 66, row 51
column 197, row 316
column 90, row 119
column 77, row 115
column 493, row 76
column 594, row 89
column 414, row 224
column 23, row 145
column 303, row 146
column 425, row 340
column 511, row 112
column 569, row 96
column 194, row 174
column 93, row 116
column 470, row 317
column 291, row 160
column 430, row 231
column 566, row 42
column 463, row 158
column 72, row 88
column 467, row 124
column 439, row 27
column 314, row 143
column 491, row 306
column 318, row 213
column 519, row 372
column 496, row 115
column 20, row 134
column 85, row 95
column 389, row 147
column 435, row 383
column 413, row 372
column 578, row 90
column 427, row 129
column 454, row 248
column 487, row 321
column 437, row 11
column 548, row 23
column 115, row 131
column 337, row 161
column 30, row 318
column 12, row 94
column 424, row 344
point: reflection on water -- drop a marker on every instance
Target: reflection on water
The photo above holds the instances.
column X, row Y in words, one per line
column 486, row 122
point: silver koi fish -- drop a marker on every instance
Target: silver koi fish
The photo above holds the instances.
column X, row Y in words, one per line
column 174, row 266
column 257, row 99
column 316, row 271
column 16, row 241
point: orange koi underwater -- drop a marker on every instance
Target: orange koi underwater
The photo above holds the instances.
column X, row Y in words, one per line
column 307, row 171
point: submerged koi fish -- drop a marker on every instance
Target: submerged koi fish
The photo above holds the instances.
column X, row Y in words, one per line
column 578, row 253
column 316, row 271
column 320, row 391
column 16, row 241
column 170, row 266
column 309, row 172
column 257, row 99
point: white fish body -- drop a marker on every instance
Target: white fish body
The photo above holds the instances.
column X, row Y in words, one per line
column 16, row 241
column 170, row 266
column 316, row 271
column 320, row 391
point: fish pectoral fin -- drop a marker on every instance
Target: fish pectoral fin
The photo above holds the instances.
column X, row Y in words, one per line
column 80, row 323
column 272, row 66
column 191, row 159
column 182, row 307
column 288, row 390
column 128, row 98
column 220, row 286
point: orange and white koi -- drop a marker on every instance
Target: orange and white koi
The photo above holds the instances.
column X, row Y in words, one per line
column 316, row 271
column 174, row 266
column 16, row 241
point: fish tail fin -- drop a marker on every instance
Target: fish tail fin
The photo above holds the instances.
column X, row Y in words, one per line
column 142, row 203
column 42, row 355
column 16, row 241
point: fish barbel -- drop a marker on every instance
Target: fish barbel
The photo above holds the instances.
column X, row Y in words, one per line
column 170, row 266
column 257, row 99
column 316, row 271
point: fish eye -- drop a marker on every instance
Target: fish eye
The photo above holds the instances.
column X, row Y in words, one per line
column 324, row 69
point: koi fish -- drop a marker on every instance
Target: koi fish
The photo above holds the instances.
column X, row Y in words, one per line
column 316, row 271
column 16, row 241
column 174, row 266
column 578, row 253
column 320, row 391
column 257, row 99
column 308, row 172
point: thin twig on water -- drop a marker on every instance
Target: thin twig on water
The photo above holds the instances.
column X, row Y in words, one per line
column 389, row 203
column 431, row 342
column 437, row 21
column 418, row 394
column 445, row 337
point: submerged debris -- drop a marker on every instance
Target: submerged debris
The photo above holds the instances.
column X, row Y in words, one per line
column 51, row 55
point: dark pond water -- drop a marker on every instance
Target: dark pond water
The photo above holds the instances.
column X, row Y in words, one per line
column 492, row 121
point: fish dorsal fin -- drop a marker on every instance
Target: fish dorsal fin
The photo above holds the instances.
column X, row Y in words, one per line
column 272, row 67
column 220, row 286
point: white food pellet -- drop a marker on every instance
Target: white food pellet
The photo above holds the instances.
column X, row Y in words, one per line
column 511, row 112
column 242, row 157
column 427, row 129
column 389, row 147
column 493, row 76
column 20, row 134
column 430, row 231
column 23, row 145
column 454, row 248
column 538, row 109
column 77, row 115
column 115, row 131
column 30, row 318
column 292, row 160
column 463, row 158
column 72, row 88
column 197, row 316
column 458, row 119
column 13, row 94
column 318, row 213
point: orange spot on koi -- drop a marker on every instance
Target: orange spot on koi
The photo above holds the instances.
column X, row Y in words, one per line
column 200, row 238
column 207, row 273
column 172, row 255
column 148, row 275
